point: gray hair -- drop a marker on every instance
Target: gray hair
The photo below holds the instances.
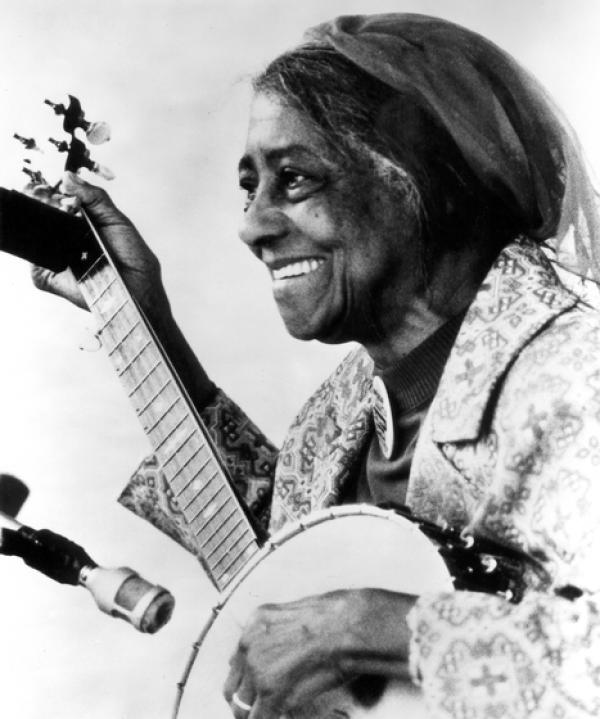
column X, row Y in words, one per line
column 368, row 123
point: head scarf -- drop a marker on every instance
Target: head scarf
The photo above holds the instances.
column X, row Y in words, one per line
column 510, row 133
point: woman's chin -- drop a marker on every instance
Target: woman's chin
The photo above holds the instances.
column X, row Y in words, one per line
column 314, row 327
column 300, row 330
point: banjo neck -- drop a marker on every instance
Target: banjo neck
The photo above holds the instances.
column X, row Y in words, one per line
column 198, row 482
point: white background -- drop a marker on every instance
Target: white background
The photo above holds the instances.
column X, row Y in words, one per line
column 172, row 79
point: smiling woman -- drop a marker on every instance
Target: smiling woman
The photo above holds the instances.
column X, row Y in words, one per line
column 338, row 243
column 376, row 173
column 405, row 179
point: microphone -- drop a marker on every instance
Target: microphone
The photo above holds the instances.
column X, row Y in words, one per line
column 13, row 493
column 120, row 592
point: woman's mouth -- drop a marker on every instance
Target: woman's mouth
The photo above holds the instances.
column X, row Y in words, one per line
column 304, row 289
column 297, row 268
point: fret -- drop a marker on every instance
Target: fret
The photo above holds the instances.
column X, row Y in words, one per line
column 145, row 377
column 204, row 506
column 136, row 356
column 224, row 570
column 223, row 533
column 212, row 513
column 217, row 539
column 155, row 397
column 162, row 416
column 201, row 487
column 222, row 541
column 186, row 465
column 178, row 472
column 114, row 314
column 179, row 448
column 103, row 292
column 195, row 496
column 113, row 323
column 193, row 456
column 194, row 484
column 234, row 550
column 90, row 269
column 173, row 429
column 195, row 475
column 125, row 336
column 223, row 523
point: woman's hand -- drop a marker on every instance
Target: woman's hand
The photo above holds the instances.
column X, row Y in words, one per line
column 140, row 271
column 137, row 264
column 290, row 653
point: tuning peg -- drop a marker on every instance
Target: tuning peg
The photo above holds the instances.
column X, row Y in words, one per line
column 78, row 156
column 98, row 132
column 35, row 176
column 61, row 145
column 74, row 116
column 103, row 171
column 28, row 142
column 58, row 107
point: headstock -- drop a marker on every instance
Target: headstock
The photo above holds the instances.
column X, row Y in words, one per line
column 74, row 118
column 39, row 224
column 78, row 155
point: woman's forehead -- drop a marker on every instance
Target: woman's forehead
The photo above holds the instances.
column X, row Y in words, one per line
column 276, row 129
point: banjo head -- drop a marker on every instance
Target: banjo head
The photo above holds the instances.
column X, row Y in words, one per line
column 350, row 547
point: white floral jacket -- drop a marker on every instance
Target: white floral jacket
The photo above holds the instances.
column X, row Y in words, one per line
column 509, row 450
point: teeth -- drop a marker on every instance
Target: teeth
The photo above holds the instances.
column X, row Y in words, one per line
column 296, row 269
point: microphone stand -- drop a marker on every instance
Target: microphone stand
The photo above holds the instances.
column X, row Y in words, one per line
column 120, row 592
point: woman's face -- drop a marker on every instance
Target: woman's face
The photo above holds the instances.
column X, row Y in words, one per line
column 340, row 246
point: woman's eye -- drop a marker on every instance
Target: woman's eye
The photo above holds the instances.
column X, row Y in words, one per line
column 293, row 179
column 297, row 184
column 290, row 184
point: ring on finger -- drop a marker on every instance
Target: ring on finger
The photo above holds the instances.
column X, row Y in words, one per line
column 240, row 704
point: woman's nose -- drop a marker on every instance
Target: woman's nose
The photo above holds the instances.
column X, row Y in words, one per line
column 262, row 223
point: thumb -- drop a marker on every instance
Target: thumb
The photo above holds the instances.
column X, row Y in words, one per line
column 62, row 284
column 94, row 199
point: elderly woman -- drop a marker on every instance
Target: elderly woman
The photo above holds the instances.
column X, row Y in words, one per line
column 404, row 179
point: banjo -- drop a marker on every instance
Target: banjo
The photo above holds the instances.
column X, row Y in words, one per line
column 413, row 557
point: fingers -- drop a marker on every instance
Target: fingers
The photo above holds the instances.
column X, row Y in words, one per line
column 243, row 699
column 95, row 200
column 239, row 689
column 236, row 673
column 322, row 693
column 102, row 210
column 264, row 708
column 138, row 264
column 62, row 284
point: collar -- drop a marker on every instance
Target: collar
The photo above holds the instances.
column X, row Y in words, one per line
column 519, row 296
column 413, row 380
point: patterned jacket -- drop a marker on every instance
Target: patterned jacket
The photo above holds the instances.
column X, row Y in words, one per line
column 509, row 450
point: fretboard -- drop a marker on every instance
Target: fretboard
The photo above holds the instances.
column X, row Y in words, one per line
column 198, row 482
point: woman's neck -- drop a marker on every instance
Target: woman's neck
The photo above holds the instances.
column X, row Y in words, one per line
column 451, row 288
